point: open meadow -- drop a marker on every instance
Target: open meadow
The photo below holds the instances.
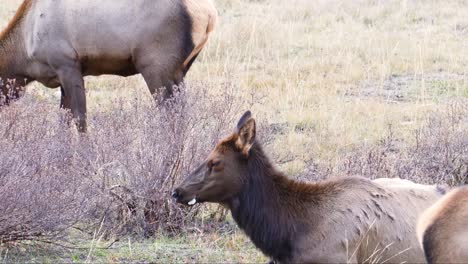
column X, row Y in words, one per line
column 339, row 88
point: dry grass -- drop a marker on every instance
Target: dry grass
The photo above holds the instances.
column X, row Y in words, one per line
column 231, row 247
column 348, row 70
column 378, row 88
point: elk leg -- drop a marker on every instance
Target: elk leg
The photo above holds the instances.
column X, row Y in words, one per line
column 64, row 101
column 73, row 95
column 159, row 86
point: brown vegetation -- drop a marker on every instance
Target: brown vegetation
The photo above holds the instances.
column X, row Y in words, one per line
column 119, row 176
column 437, row 152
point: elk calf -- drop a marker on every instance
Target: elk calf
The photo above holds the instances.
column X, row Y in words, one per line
column 348, row 219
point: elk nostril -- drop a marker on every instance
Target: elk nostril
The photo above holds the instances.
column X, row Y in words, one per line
column 175, row 194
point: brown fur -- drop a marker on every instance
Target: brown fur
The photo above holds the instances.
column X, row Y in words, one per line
column 349, row 219
column 22, row 9
column 443, row 229
column 204, row 18
column 11, row 89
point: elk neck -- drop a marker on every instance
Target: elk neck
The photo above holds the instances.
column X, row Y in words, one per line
column 12, row 49
column 272, row 209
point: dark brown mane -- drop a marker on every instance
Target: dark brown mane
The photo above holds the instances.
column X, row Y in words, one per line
column 271, row 208
column 19, row 15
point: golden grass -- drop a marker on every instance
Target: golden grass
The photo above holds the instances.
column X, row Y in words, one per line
column 308, row 61
column 304, row 58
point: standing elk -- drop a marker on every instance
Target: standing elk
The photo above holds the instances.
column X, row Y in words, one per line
column 349, row 219
column 59, row 42
column 443, row 229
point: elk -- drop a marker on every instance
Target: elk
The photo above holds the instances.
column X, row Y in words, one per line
column 346, row 219
column 57, row 43
column 443, row 229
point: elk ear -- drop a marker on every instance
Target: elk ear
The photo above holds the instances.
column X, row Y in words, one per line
column 246, row 133
column 246, row 116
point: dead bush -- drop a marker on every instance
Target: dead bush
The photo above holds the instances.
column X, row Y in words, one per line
column 42, row 188
column 138, row 154
column 10, row 90
column 118, row 176
column 437, row 153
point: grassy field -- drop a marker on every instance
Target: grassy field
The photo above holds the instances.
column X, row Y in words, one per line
column 333, row 75
column 346, row 71
column 232, row 247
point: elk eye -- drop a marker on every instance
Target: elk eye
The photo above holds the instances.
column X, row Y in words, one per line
column 213, row 164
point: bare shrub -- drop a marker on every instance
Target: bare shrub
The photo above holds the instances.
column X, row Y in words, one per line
column 118, row 176
column 42, row 191
column 438, row 153
column 138, row 154
column 10, row 90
